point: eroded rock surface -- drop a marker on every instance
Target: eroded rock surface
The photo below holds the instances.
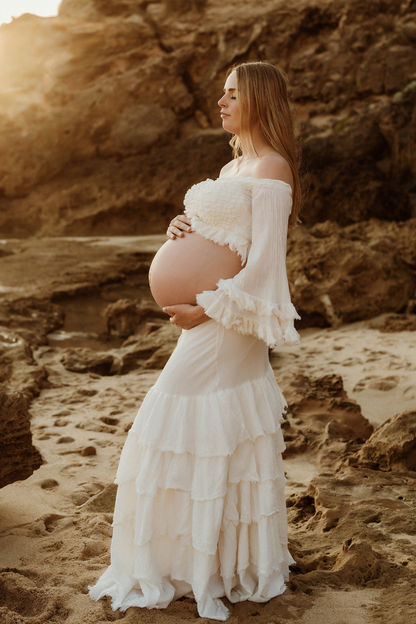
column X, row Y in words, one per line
column 111, row 112
column 392, row 323
column 18, row 457
column 340, row 275
column 358, row 519
column 150, row 351
column 87, row 361
column 321, row 420
column 18, row 370
column 124, row 317
column 392, row 445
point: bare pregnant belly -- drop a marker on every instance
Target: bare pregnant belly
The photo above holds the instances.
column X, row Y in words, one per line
column 184, row 267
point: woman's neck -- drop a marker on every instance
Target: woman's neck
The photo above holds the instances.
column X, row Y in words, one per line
column 257, row 148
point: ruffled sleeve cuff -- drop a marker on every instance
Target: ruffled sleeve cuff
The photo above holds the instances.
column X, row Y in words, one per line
column 247, row 314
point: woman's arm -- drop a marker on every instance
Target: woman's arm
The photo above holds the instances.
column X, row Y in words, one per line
column 257, row 300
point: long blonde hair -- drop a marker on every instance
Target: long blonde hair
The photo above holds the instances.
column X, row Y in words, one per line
column 263, row 97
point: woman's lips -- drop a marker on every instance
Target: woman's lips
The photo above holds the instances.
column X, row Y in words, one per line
column 224, row 115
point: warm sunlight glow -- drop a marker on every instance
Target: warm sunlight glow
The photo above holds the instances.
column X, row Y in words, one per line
column 15, row 8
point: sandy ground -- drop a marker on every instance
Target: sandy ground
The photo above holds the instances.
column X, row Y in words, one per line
column 55, row 527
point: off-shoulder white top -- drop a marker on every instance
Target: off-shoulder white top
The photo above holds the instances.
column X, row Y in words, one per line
column 250, row 215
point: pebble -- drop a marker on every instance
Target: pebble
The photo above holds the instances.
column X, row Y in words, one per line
column 47, row 484
column 110, row 421
column 61, row 422
column 88, row 450
column 65, row 440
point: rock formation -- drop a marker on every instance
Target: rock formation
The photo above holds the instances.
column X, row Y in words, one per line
column 392, row 446
column 19, row 458
column 109, row 113
column 340, row 275
column 124, row 317
column 87, row 361
column 321, row 420
column 18, row 369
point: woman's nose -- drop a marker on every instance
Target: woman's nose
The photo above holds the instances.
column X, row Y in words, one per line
column 221, row 103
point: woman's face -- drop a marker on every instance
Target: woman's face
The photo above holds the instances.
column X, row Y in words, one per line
column 230, row 113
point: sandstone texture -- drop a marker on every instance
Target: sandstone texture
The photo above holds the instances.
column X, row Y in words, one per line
column 85, row 361
column 124, row 316
column 18, row 369
column 392, row 446
column 321, row 419
column 341, row 275
column 19, row 458
column 109, row 113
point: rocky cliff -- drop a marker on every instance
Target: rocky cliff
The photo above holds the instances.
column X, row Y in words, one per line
column 108, row 112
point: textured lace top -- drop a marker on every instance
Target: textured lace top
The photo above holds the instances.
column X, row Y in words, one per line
column 250, row 215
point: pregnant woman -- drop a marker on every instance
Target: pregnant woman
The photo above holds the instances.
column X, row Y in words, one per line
column 200, row 508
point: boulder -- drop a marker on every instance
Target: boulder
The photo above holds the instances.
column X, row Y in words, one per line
column 124, row 317
column 341, row 275
column 18, row 369
column 392, row 446
column 18, row 457
column 82, row 360
column 321, row 418
column 391, row 323
column 148, row 352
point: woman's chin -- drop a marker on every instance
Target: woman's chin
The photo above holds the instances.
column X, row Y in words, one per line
column 230, row 127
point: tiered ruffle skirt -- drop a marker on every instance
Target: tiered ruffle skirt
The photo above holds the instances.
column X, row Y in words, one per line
column 200, row 508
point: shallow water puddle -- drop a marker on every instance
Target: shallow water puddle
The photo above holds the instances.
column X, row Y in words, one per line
column 85, row 324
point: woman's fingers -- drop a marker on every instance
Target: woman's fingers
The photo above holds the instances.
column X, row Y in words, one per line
column 172, row 232
column 181, row 221
column 177, row 315
column 178, row 225
column 172, row 313
column 186, row 315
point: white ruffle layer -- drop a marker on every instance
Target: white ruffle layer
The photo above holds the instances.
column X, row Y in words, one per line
column 180, row 424
column 247, row 314
column 200, row 506
column 237, row 243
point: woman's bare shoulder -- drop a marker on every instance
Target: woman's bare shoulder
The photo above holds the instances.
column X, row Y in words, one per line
column 227, row 167
column 274, row 167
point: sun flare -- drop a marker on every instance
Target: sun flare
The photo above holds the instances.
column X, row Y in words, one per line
column 15, row 8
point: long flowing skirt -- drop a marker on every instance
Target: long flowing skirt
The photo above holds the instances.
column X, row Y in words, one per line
column 200, row 508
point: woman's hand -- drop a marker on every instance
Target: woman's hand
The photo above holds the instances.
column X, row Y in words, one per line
column 178, row 226
column 185, row 315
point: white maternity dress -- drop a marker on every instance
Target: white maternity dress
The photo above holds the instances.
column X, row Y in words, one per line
column 200, row 508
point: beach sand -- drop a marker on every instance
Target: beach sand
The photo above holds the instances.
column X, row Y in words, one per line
column 352, row 528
